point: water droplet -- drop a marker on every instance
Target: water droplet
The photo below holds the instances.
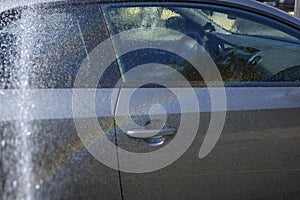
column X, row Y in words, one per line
column 15, row 183
column 29, row 185
column 3, row 143
column 37, row 187
column 28, row 133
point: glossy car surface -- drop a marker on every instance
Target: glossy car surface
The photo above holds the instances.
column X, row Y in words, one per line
column 49, row 49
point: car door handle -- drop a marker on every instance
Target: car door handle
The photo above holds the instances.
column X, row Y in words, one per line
column 146, row 133
column 153, row 137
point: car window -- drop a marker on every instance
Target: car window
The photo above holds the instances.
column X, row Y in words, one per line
column 246, row 47
column 57, row 38
column 241, row 25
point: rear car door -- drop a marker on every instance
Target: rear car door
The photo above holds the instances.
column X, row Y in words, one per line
column 209, row 102
column 45, row 78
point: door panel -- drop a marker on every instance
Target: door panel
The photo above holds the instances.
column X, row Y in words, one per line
column 257, row 154
column 42, row 155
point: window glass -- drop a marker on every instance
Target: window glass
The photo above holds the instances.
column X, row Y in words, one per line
column 47, row 44
column 246, row 47
column 237, row 25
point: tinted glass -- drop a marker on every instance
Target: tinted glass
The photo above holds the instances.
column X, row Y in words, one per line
column 245, row 47
column 57, row 39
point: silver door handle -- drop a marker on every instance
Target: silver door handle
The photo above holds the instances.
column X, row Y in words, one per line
column 145, row 133
column 152, row 137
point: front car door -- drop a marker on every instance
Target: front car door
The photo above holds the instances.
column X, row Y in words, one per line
column 172, row 103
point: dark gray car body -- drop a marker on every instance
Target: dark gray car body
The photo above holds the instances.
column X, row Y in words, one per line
column 256, row 157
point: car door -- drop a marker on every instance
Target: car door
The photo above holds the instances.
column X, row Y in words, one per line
column 45, row 81
column 209, row 102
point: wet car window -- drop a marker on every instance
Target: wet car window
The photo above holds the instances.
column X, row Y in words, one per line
column 57, row 39
column 246, row 47
column 232, row 24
